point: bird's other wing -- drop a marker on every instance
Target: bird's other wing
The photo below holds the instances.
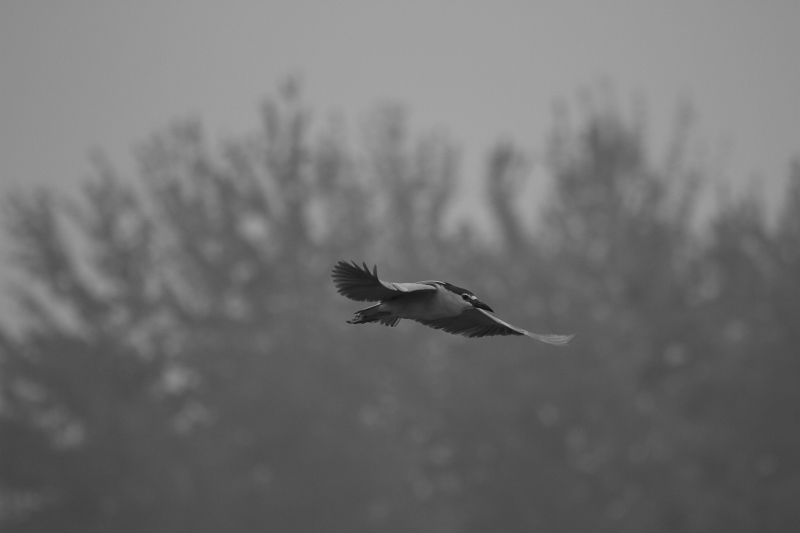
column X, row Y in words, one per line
column 478, row 323
column 360, row 284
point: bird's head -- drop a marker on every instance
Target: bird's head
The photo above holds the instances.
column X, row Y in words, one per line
column 468, row 297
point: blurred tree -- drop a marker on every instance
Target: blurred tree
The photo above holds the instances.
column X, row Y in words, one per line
column 178, row 370
column 185, row 365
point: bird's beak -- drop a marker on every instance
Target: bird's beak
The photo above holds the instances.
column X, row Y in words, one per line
column 480, row 305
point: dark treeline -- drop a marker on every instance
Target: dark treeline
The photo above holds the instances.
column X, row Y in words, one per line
column 185, row 365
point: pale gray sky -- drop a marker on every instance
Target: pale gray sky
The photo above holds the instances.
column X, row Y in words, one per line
column 82, row 74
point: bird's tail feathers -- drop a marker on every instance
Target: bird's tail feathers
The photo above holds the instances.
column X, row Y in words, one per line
column 374, row 314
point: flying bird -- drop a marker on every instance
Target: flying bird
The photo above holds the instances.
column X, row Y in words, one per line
column 436, row 304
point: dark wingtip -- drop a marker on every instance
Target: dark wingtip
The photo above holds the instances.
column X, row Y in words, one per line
column 338, row 267
column 344, row 265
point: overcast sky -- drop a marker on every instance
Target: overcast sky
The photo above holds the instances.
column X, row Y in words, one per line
column 83, row 74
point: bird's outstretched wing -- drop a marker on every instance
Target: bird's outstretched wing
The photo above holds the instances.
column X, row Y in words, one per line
column 479, row 323
column 360, row 284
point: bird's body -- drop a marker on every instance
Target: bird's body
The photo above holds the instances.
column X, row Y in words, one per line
column 427, row 305
column 419, row 305
column 436, row 304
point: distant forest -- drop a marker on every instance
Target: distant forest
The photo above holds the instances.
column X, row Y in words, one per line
column 185, row 365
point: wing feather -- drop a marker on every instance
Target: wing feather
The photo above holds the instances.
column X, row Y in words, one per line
column 358, row 283
column 478, row 323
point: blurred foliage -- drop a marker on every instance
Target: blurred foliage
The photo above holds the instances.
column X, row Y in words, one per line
column 186, row 365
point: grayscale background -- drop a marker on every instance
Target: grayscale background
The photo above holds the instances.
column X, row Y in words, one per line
column 178, row 178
